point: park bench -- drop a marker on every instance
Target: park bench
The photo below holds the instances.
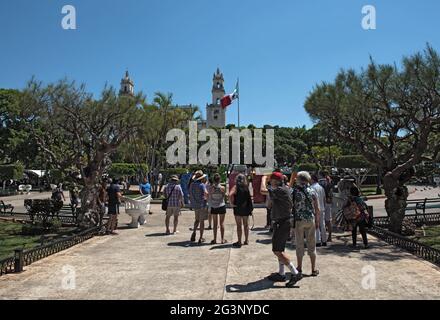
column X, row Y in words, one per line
column 4, row 208
column 418, row 205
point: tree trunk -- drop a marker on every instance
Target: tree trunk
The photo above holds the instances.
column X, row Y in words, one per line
column 396, row 201
column 89, row 214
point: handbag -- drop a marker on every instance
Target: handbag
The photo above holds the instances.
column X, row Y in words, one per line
column 352, row 212
column 165, row 201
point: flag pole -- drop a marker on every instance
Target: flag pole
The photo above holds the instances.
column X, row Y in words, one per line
column 238, row 88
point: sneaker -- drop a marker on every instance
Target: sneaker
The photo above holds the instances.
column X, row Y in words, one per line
column 276, row 277
column 293, row 280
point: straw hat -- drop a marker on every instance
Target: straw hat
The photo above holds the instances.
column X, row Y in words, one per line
column 199, row 175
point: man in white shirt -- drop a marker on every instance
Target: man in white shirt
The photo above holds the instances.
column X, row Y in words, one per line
column 321, row 233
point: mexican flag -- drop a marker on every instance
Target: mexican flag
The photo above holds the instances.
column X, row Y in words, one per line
column 228, row 99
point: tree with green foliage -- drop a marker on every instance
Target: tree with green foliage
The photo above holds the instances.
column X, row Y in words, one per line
column 77, row 132
column 390, row 114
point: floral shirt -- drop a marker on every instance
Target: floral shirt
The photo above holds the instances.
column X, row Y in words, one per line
column 303, row 197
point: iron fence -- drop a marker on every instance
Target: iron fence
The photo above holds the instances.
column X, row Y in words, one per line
column 27, row 257
column 419, row 249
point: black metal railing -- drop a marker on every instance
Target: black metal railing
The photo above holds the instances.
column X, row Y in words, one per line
column 419, row 249
column 25, row 258
column 417, row 219
column 7, row 265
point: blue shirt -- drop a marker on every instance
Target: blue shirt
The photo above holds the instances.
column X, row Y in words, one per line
column 145, row 188
column 197, row 195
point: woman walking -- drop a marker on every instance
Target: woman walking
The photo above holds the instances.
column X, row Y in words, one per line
column 355, row 211
column 218, row 207
column 241, row 199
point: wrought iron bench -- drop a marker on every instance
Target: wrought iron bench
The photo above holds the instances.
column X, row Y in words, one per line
column 4, row 208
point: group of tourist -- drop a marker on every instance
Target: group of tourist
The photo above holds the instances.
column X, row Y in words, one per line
column 207, row 199
column 300, row 209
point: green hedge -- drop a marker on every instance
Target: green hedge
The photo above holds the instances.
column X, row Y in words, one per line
column 310, row 167
column 353, row 162
column 11, row 171
column 118, row 170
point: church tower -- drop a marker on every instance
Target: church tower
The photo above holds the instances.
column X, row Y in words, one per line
column 215, row 114
column 127, row 86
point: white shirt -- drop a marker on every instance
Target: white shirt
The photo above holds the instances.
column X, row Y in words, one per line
column 320, row 195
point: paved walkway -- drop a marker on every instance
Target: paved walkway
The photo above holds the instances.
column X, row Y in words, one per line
column 146, row 264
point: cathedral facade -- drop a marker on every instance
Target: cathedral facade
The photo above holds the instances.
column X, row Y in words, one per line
column 215, row 114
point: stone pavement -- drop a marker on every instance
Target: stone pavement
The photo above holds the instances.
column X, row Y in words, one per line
column 146, row 264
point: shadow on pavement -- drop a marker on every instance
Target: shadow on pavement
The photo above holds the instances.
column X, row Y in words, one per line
column 187, row 244
column 160, row 234
column 223, row 246
column 260, row 285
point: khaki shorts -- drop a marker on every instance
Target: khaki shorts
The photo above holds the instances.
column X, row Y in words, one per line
column 305, row 229
column 173, row 211
column 201, row 214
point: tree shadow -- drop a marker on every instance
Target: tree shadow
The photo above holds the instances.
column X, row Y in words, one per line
column 259, row 285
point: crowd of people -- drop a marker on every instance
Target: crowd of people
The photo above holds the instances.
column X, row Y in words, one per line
column 300, row 209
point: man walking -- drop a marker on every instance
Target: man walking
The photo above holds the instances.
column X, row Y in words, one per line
column 306, row 209
column 114, row 196
column 174, row 194
column 281, row 203
column 321, row 234
column 198, row 197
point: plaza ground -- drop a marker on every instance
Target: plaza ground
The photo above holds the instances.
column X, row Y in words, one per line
column 145, row 264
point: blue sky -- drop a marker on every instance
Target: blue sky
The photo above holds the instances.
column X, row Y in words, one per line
column 280, row 49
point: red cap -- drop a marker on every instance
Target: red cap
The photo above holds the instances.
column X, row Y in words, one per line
column 277, row 176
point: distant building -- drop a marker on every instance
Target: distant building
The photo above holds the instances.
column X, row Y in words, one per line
column 127, row 86
column 215, row 114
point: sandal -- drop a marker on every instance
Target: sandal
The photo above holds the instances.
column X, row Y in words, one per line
column 224, row 241
column 237, row 245
column 213, row 242
column 246, row 243
column 315, row 273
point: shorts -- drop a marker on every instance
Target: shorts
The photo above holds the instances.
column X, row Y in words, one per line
column 173, row 211
column 221, row 210
column 281, row 233
column 201, row 214
column 328, row 212
column 113, row 209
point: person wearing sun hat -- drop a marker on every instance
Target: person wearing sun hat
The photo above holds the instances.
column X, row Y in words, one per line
column 174, row 194
column 281, row 202
column 198, row 194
